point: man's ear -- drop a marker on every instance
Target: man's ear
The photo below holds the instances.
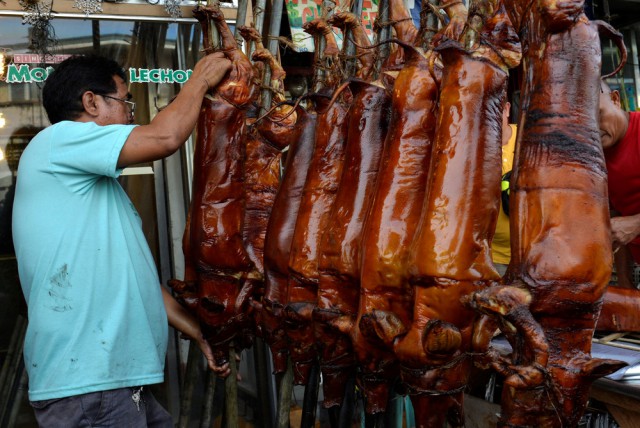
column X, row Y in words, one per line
column 89, row 103
column 615, row 97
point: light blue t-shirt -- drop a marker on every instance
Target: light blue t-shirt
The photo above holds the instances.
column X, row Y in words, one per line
column 96, row 314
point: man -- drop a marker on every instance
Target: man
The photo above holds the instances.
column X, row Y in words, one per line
column 97, row 315
column 620, row 137
column 501, row 244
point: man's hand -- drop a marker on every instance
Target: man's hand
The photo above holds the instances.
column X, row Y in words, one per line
column 211, row 69
column 223, row 370
column 183, row 321
column 624, row 229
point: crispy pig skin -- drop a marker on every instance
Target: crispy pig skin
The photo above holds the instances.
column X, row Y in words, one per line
column 340, row 257
column 392, row 220
column 318, row 196
column 451, row 251
column 216, row 260
column 554, row 285
column 279, row 235
column 620, row 310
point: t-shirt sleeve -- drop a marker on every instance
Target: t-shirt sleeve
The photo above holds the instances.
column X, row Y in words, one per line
column 88, row 148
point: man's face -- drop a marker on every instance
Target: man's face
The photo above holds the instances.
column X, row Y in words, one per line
column 613, row 120
column 115, row 111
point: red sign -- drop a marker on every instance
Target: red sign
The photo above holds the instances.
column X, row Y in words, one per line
column 38, row 59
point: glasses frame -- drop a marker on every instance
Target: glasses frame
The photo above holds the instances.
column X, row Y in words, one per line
column 130, row 104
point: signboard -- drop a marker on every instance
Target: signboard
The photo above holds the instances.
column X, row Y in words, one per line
column 23, row 73
column 27, row 58
column 301, row 11
column 158, row 75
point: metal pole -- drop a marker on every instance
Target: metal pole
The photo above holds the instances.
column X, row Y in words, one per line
column 12, row 368
column 310, row 401
column 263, row 376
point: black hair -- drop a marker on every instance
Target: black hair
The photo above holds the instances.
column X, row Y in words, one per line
column 63, row 89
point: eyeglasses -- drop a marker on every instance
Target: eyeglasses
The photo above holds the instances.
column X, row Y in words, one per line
column 130, row 104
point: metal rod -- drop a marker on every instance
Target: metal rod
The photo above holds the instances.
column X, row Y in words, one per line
column 21, row 387
column 95, row 32
column 310, row 401
column 262, row 382
column 348, row 403
column 375, row 420
column 11, row 368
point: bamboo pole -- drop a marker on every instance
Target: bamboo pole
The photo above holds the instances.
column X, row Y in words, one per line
column 284, row 396
column 241, row 19
column 188, row 384
column 207, row 405
column 383, row 34
column 231, row 392
column 272, row 45
column 350, row 47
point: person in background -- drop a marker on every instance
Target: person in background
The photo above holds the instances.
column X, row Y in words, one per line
column 501, row 244
column 620, row 138
column 98, row 331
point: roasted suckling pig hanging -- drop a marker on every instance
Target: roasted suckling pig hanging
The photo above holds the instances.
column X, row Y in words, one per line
column 552, row 292
column 216, row 261
column 450, row 255
column 392, row 219
column 265, row 140
column 313, row 216
column 279, row 235
column 282, row 127
column 620, row 310
column 281, row 228
column 376, row 372
column 339, row 251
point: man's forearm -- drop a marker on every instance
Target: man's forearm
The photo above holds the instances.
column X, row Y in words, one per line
column 179, row 318
column 625, row 229
column 178, row 119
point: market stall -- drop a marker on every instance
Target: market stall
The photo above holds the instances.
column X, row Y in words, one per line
column 341, row 240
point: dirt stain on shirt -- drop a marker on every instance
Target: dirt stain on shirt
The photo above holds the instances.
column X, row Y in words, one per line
column 60, row 284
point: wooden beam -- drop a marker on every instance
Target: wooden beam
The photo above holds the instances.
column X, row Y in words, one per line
column 117, row 10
